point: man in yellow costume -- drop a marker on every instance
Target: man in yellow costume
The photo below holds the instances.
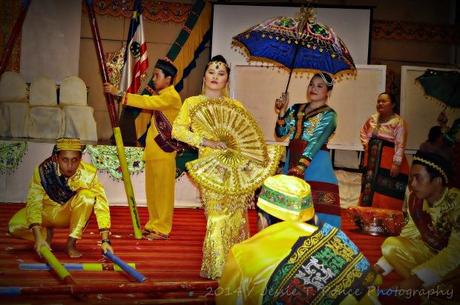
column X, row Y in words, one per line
column 292, row 262
column 160, row 160
column 63, row 193
column 427, row 252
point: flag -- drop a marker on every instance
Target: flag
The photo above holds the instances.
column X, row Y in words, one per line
column 136, row 61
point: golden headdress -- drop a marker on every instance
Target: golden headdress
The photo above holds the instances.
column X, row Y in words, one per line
column 72, row 144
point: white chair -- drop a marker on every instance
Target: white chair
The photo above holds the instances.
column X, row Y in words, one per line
column 46, row 119
column 80, row 123
column 13, row 105
column 43, row 92
column 79, row 118
column 73, row 92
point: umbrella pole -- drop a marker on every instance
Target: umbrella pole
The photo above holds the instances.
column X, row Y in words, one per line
column 114, row 122
column 291, row 67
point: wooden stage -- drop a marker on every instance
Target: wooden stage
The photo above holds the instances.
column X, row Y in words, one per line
column 171, row 266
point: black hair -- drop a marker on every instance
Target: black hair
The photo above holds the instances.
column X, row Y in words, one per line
column 219, row 58
column 271, row 220
column 167, row 74
column 436, row 159
column 328, row 79
column 393, row 100
column 434, row 133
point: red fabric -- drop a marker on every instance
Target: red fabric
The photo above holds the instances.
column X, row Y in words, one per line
column 176, row 259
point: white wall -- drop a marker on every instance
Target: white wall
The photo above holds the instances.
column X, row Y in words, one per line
column 50, row 44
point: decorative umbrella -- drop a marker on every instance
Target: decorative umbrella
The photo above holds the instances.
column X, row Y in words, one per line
column 442, row 85
column 247, row 161
column 297, row 43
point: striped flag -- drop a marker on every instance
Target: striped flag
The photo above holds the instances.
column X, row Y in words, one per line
column 136, row 61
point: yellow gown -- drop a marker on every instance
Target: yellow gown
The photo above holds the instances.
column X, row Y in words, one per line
column 160, row 166
column 251, row 264
column 74, row 214
column 226, row 214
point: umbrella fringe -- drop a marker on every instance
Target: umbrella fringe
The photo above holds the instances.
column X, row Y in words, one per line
column 243, row 50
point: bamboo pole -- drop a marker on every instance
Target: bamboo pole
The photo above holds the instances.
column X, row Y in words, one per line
column 156, row 287
column 62, row 272
column 114, row 122
column 128, row 269
column 75, row 266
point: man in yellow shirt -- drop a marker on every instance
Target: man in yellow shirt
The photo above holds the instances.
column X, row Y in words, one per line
column 293, row 262
column 160, row 165
column 63, row 193
column 427, row 252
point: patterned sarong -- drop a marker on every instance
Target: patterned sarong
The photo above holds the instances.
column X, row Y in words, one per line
column 379, row 189
column 320, row 269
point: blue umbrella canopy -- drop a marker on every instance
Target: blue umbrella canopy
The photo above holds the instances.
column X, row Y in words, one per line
column 297, row 44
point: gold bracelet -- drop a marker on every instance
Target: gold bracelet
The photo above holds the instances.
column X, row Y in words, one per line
column 304, row 162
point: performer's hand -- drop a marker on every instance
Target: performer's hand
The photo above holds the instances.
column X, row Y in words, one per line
column 281, row 104
column 111, row 89
column 40, row 242
column 394, row 171
column 214, row 144
column 378, row 269
column 297, row 171
column 105, row 246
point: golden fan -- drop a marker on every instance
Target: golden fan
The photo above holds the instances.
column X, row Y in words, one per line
column 244, row 165
column 226, row 121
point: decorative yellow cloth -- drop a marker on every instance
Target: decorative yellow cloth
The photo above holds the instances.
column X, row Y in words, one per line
column 251, row 263
column 409, row 254
column 167, row 101
column 40, row 209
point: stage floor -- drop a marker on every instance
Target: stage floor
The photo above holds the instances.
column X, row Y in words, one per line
column 163, row 262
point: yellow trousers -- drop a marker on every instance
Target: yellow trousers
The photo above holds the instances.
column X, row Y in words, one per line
column 160, row 179
column 73, row 215
column 404, row 254
column 227, row 224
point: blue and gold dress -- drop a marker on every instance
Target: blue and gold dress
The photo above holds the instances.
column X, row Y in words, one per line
column 308, row 134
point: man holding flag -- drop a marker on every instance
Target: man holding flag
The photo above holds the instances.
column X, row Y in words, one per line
column 160, row 164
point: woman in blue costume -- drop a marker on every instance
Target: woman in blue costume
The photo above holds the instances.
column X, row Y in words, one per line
column 309, row 127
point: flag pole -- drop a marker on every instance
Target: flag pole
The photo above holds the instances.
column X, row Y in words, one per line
column 13, row 35
column 114, row 122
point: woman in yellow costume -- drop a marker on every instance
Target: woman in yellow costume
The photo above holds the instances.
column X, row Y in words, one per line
column 63, row 193
column 226, row 213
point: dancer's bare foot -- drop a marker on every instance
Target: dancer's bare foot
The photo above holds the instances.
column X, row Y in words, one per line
column 71, row 249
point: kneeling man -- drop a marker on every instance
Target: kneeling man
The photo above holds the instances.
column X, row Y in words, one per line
column 63, row 193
